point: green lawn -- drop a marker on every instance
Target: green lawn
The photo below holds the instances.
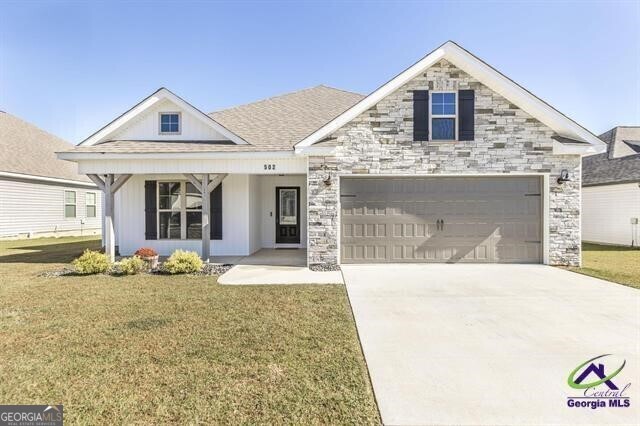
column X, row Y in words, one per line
column 161, row 349
column 613, row 263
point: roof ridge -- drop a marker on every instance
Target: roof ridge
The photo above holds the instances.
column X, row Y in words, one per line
column 28, row 123
column 282, row 95
column 341, row 90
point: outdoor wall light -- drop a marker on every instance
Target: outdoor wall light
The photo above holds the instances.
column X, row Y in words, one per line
column 564, row 176
column 326, row 176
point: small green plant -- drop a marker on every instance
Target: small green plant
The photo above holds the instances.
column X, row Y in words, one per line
column 91, row 262
column 132, row 265
column 183, row 262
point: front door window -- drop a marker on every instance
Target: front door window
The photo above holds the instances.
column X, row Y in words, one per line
column 288, row 207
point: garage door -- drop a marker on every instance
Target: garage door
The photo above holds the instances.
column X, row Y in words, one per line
column 452, row 219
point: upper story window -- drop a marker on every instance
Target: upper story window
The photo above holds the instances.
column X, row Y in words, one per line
column 443, row 115
column 170, row 122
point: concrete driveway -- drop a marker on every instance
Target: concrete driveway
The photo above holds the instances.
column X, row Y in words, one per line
column 492, row 344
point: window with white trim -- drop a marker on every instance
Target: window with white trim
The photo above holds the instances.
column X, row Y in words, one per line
column 179, row 217
column 443, row 116
column 69, row 204
column 170, row 122
column 90, row 204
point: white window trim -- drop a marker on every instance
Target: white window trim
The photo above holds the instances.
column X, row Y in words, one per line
column 160, row 114
column 86, row 204
column 454, row 116
column 183, row 211
column 65, row 204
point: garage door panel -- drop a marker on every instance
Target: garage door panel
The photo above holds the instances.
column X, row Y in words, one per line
column 484, row 219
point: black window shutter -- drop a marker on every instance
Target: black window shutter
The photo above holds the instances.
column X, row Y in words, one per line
column 150, row 210
column 420, row 115
column 466, row 102
column 215, row 213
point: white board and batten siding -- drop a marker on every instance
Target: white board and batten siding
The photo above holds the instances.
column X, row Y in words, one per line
column 130, row 226
column 607, row 212
column 268, row 185
column 248, row 215
column 147, row 126
column 36, row 209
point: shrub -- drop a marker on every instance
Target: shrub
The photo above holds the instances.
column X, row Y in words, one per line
column 146, row 252
column 132, row 265
column 91, row 262
column 183, row 262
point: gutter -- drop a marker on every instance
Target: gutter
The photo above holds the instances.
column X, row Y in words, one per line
column 47, row 179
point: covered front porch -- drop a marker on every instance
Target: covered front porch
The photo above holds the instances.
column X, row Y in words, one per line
column 213, row 203
column 266, row 256
column 240, row 215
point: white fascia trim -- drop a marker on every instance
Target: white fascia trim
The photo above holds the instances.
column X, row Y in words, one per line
column 315, row 150
column 79, row 156
column 204, row 117
column 121, row 121
column 486, row 75
column 147, row 103
column 575, row 149
column 47, row 179
column 375, row 97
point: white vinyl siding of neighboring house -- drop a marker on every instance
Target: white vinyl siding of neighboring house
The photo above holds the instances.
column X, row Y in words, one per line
column 607, row 211
column 36, row 208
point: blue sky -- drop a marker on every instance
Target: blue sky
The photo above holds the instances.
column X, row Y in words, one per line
column 71, row 67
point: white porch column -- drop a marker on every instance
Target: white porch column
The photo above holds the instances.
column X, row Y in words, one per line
column 206, row 229
column 109, row 186
column 109, row 232
column 206, row 186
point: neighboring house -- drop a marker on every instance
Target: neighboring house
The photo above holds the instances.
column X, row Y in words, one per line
column 41, row 195
column 450, row 161
column 611, row 190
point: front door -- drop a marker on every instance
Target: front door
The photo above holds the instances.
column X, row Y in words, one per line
column 287, row 215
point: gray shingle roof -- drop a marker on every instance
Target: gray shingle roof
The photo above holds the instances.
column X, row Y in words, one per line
column 286, row 119
column 141, row 147
column 600, row 169
column 274, row 124
column 28, row 150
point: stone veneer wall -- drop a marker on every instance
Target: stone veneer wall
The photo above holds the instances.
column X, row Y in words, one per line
column 380, row 141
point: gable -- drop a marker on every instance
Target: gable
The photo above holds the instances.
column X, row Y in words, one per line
column 139, row 122
column 515, row 94
column 146, row 126
column 503, row 132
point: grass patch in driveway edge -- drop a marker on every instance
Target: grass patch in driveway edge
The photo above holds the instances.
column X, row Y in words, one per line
column 617, row 264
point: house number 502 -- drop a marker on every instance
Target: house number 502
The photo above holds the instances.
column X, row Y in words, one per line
column 269, row 166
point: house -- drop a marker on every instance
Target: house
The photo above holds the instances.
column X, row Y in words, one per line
column 611, row 190
column 449, row 161
column 41, row 195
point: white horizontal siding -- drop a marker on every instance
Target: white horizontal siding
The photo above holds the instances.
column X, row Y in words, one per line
column 292, row 165
column 147, row 126
column 607, row 211
column 30, row 207
column 130, row 216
